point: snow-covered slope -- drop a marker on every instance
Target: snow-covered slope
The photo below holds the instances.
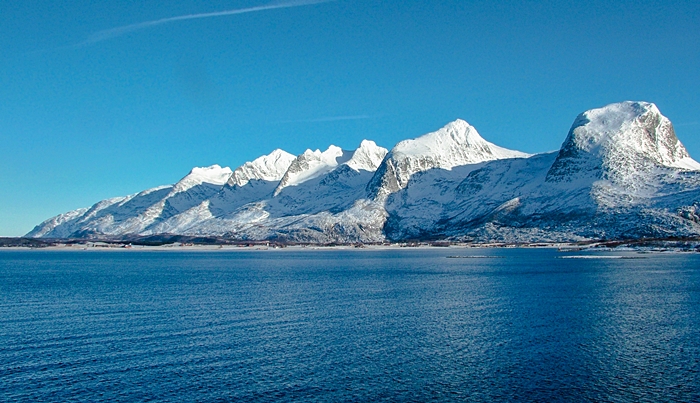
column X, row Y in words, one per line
column 335, row 189
column 251, row 181
column 367, row 157
column 456, row 144
column 134, row 214
column 62, row 221
column 320, row 199
column 312, row 164
column 102, row 216
column 214, row 175
column 620, row 173
column 617, row 142
column 269, row 167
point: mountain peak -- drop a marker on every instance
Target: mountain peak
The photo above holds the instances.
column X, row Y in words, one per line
column 312, row 164
column 457, row 143
column 214, row 174
column 367, row 157
column 270, row 167
column 619, row 139
column 448, row 141
column 617, row 176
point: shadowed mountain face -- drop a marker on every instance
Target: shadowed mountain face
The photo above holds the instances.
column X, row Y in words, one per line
column 620, row 173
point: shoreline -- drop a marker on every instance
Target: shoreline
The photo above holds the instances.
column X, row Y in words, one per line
column 233, row 248
column 561, row 247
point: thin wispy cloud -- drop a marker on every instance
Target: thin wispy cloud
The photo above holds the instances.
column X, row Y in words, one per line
column 329, row 119
column 123, row 30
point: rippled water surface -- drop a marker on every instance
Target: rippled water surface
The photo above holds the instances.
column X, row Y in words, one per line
column 390, row 325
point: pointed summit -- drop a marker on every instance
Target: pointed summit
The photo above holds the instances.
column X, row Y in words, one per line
column 458, row 143
column 367, row 157
column 269, row 167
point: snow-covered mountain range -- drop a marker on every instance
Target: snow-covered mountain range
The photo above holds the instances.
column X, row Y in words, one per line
column 621, row 173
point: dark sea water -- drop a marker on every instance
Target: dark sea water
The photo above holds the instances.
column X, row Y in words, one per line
column 357, row 326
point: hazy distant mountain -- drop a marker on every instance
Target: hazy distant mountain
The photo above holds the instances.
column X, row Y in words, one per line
column 620, row 173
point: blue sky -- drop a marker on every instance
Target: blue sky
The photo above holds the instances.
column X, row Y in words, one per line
column 90, row 109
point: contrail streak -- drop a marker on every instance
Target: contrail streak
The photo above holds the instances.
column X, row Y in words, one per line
column 119, row 31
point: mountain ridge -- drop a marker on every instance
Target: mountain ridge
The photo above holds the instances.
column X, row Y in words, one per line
column 621, row 172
